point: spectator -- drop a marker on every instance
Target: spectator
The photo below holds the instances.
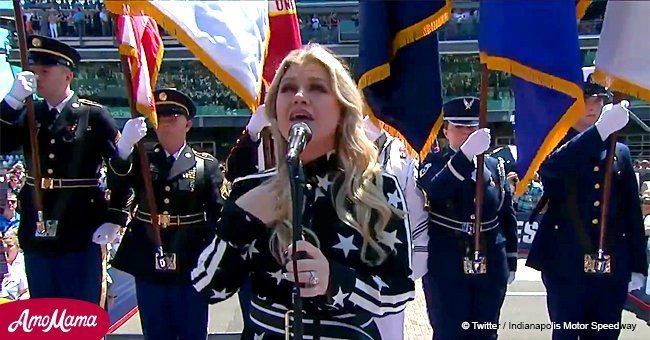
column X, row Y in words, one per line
column 528, row 201
column 53, row 24
column 79, row 22
column 10, row 218
column 14, row 283
column 104, row 17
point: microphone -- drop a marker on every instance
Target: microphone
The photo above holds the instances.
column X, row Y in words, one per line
column 298, row 138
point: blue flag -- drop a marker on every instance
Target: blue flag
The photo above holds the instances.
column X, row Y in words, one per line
column 399, row 67
column 537, row 42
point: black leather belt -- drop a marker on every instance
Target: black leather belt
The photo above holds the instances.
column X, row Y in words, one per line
column 465, row 227
column 271, row 318
column 166, row 220
column 64, row 183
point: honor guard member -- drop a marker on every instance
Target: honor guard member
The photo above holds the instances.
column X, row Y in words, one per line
column 448, row 179
column 186, row 186
column 395, row 160
column 74, row 137
column 573, row 178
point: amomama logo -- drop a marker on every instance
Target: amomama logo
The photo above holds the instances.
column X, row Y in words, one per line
column 52, row 319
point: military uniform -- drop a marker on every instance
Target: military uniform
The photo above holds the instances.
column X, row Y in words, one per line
column 573, row 177
column 188, row 200
column 448, row 178
column 357, row 292
column 74, row 137
column 395, row 160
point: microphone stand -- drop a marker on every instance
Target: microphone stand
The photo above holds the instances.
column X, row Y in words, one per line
column 297, row 182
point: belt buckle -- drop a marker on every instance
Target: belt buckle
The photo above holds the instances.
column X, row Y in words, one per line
column 164, row 220
column 466, row 227
column 47, row 183
column 287, row 324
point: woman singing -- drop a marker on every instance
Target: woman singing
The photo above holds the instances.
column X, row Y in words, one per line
column 355, row 235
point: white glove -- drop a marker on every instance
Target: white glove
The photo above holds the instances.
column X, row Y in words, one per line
column 636, row 282
column 24, row 86
column 511, row 277
column 477, row 143
column 257, row 123
column 134, row 130
column 372, row 131
column 106, row 233
column 613, row 118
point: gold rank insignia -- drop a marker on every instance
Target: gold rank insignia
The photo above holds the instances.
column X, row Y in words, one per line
column 162, row 96
column 36, row 42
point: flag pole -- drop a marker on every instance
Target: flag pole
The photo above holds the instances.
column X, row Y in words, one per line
column 142, row 153
column 31, row 118
column 479, row 260
column 602, row 263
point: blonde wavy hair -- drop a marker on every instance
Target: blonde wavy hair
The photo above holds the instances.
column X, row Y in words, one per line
column 360, row 202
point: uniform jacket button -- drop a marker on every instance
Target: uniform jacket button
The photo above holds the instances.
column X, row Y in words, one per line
column 597, row 186
column 168, row 188
column 596, row 168
column 50, row 171
column 556, row 227
column 594, row 221
column 166, row 200
column 596, row 203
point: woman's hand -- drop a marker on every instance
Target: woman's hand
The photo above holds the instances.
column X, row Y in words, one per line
column 313, row 270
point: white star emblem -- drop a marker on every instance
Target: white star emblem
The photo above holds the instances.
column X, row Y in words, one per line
column 346, row 244
column 276, row 275
column 393, row 199
column 258, row 336
column 324, row 182
column 249, row 250
column 389, row 239
column 221, row 295
column 339, row 297
column 319, row 193
column 379, row 282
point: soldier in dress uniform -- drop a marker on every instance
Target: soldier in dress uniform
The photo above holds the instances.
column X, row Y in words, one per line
column 186, row 186
column 573, row 179
column 448, row 178
column 74, row 137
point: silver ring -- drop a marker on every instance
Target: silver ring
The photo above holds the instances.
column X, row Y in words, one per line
column 313, row 279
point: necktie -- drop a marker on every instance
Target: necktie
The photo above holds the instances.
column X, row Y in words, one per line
column 49, row 117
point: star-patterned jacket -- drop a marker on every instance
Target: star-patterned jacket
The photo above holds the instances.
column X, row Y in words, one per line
column 72, row 146
column 357, row 292
column 189, row 195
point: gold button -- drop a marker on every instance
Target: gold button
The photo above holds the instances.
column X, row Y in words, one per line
column 50, row 171
column 594, row 221
column 165, row 212
column 52, row 141
column 596, row 168
column 51, row 156
column 597, row 204
column 166, row 200
column 596, row 186
column 168, row 188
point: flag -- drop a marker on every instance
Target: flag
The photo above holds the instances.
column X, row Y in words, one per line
column 623, row 58
column 581, row 8
column 399, row 68
column 140, row 42
column 537, row 42
column 285, row 35
column 228, row 37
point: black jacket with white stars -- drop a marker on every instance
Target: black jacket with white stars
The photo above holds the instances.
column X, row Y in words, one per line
column 357, row 292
